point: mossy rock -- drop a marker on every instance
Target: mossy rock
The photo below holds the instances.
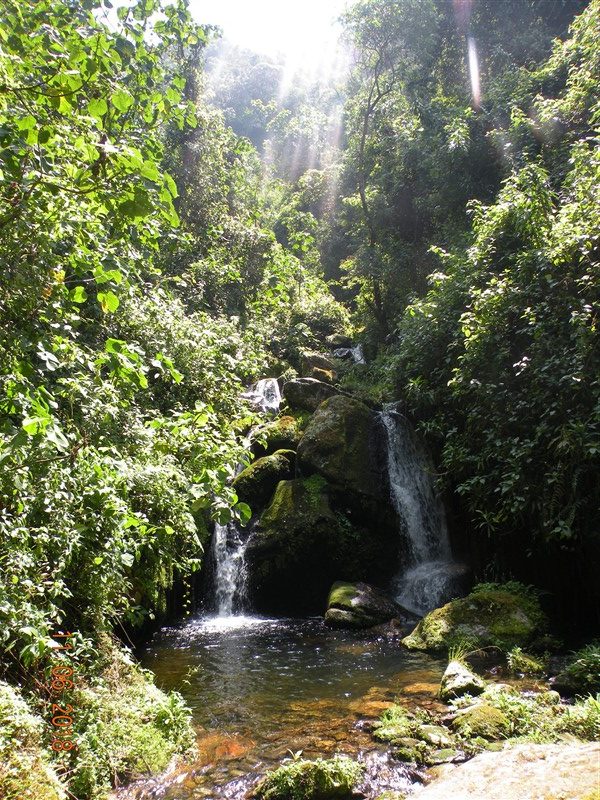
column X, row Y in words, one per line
column 358, row 605
column 325, row 375
column 492, row 615
column 300, row 546
column 340, row 443
column 307, row 394
column 310, row 361
column 482, row 720
column 280, row 434
column 256, row 484
column 339, row 340
column 459, row 680
column 323, row 779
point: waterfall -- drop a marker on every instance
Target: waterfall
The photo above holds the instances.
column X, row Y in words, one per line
column 355, row 353
column 229, row 569
column 265, row 395
column 424, row 583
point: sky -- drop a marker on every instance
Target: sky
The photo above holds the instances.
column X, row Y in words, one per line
column 303, row 30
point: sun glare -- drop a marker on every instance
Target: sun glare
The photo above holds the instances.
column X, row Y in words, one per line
column 304, row 34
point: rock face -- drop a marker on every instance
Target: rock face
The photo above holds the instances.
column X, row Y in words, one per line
column 256, row 484
column 341, row 444
column 458, row 680
column 339, row 340
column 307, row 393
column 281, row 434
column 490, row 615
column 300, row 546
column 358, row 605
column 523, row 772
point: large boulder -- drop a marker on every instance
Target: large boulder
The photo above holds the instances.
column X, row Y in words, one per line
column 311, row 362
column 255, row 485
column 307, row 393
column 341, row 443
column 339, row 340
column 458, row 680
column 359, row 605
column 491, row 615
column 301, row 545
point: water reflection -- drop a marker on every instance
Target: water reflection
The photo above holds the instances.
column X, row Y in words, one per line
column 260, row 688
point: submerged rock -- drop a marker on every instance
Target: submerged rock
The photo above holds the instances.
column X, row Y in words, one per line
column 256, row 484
column 458, row 679
column 358, row 605
column 490, row 615
column 307, row 393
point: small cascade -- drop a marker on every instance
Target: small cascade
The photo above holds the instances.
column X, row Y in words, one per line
column 265, row 395
column 355, row 353
column 229, row 569
column 426, row 580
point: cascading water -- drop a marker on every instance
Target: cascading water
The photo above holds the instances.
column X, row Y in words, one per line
column 265, row 395
column 423, row 584
column 228, row 548
column 229, row 565
column 355, row 353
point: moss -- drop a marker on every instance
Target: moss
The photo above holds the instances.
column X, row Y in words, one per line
column 491, row 615
column 255, row 485
column 311, row 780
column 125, row 727
column 26, row 768
column 522, row 663
column 281, row 434
column 582, row 675
column 395, row 723
column 482, row 720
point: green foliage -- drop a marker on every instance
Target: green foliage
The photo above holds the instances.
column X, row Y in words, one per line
column 582, row 674
column 311, row 780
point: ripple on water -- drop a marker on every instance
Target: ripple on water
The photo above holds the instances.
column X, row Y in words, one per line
column 260, row 688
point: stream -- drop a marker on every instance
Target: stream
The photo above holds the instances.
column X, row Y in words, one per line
column 263, row 689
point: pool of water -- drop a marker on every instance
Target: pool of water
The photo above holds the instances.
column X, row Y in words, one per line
column 263, row 689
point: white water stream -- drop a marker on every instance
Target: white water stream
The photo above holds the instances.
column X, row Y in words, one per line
column 228, row 547
column 422, row 585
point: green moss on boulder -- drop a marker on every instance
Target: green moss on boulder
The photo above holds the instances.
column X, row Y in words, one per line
column 482, row 721
column 280, row 434
column 323, row 779
column 358, row 605
column 491, row 615
column 256, row 484
column 300, row 546
column 307, row 394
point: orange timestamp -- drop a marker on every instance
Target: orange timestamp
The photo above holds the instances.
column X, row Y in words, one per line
column 62, row 679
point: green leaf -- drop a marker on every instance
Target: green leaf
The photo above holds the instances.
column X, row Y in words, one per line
column 78, row 294
column 97, row 108
column 122, row 101
column 108, row 301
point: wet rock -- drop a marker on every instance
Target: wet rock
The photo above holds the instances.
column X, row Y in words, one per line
column 482, row 720
column 458, row 680
column 300, row 546
column 255, row 485
column 307, row 393
column 341, row 444
column 358, row 605
column 490, row 615
column 281, row 434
